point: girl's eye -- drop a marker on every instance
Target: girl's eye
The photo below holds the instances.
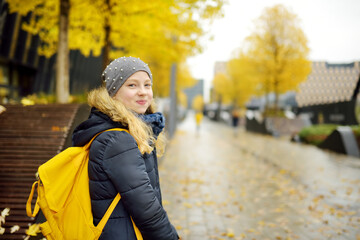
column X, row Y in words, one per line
column 131, row 85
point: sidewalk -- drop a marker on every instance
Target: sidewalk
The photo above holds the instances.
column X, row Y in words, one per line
column 217, row 186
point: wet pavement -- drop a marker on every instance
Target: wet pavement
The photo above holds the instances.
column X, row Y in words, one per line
column 217, row 185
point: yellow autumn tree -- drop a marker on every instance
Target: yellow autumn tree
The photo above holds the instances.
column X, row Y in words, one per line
column 198, row 103
column 184, row 77
column 161, row 74
column 182, row 99
column 278, row 51
column 238, row 84
column 171, row 37
column 242, row 79
column 221, row 83
column 161, row 32
column 50, row 21
column 170, row 28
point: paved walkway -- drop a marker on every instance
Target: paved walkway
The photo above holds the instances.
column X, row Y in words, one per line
column 218, row 186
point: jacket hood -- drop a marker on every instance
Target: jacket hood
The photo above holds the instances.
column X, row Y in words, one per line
column 97, row 122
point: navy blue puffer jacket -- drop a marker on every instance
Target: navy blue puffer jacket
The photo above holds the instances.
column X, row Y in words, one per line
column 116, row 165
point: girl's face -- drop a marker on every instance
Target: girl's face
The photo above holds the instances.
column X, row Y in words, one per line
column 136, row 93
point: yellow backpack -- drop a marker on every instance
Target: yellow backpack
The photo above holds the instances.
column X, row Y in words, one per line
column 64, row 197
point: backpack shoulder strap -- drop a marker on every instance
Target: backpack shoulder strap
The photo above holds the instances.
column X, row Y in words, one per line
column 108, row 212
column 108, row 130
column 117, row 198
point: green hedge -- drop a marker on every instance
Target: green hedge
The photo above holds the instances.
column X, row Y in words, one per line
column 315, row 134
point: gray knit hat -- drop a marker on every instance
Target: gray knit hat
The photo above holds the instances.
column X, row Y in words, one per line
column 119, row 70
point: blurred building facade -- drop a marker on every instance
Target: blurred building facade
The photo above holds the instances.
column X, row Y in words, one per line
column 191, row 93
column 23, row 71
column 220, row 67
column 330, row 93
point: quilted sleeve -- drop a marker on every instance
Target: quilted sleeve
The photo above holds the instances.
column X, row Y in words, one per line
column 125, row 166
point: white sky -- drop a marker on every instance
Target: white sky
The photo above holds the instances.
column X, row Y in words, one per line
column 332, row 28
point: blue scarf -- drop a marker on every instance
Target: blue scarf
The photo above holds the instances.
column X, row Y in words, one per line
column 156, row 121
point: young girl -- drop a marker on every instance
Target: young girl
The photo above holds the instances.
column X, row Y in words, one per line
column 125, row 163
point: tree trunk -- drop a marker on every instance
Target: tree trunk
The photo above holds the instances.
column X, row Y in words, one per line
column 107, row 46
column 234, row 104
column 218, row 110
column 106, row 56
column 62, row 59
column 267, row 91
column 276, row 91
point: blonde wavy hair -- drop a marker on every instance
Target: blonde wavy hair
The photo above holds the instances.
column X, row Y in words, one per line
column 116, row 110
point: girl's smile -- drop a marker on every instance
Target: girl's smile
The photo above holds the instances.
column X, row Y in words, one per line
column 141, row 102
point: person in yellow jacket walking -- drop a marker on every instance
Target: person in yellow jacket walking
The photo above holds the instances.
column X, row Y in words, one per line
column 198, row 119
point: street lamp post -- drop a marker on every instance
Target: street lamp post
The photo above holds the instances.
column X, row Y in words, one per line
column 173, row 111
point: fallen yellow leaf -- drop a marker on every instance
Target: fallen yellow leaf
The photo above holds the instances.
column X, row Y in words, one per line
column 188, row 205
column 165, row 202
column 232, row 193
column 5, row 212
column 278, row 193
column 33, row 230
column 15, row 228
column 230, row 233
column 349, row 190
column 185, row 194
column 261, row 223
